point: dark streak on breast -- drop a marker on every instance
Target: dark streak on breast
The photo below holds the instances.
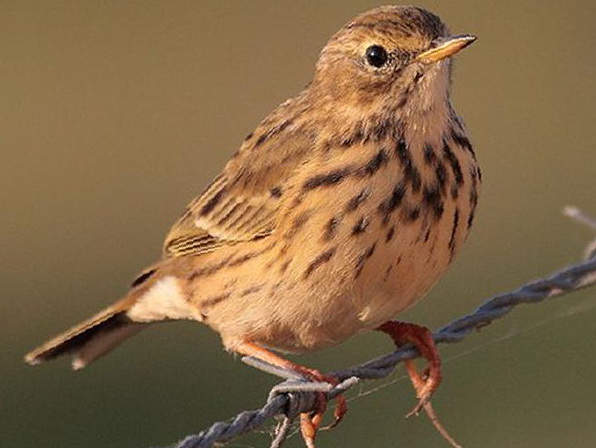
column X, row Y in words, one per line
column 373, row 165
column 356, row 137
column 431, row 197
column 473, row 203
column 431, row 159
column 413, row 213
column 462, row 141
column 410, row 172
column 390, row 234
column 455, row 166
column 331, row 228
column 327, row 179
column 429, row 154
column 357, row 200
column 362, row 259
column 319, row 261
column 470, row 219
column 389, row 205
column 453, row 234
column 441, row 174
column 360, row 226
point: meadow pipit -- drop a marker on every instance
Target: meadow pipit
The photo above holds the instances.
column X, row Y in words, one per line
column 340, row 210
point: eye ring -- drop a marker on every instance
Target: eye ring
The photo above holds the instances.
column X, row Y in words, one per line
column 376, row 56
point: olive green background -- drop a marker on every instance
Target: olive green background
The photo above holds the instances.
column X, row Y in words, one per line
column 113, row 114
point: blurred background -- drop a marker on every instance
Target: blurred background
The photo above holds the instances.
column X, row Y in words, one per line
column 115, row 114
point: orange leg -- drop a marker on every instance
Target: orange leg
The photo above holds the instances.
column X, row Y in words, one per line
column 309, row 424
column 420, row 337
column 427, row 383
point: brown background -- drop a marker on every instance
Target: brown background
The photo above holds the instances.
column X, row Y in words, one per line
column 114, row 114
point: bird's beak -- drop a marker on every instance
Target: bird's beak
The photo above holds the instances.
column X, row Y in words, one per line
column 445, row 47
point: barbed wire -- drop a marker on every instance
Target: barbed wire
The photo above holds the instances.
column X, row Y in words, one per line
column 295, row 395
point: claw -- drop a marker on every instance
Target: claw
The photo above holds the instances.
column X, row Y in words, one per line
column 425, row 384
column 310, row 425
column 341, row 407
column 420, row 337
column 310, row 422
column 422, row 385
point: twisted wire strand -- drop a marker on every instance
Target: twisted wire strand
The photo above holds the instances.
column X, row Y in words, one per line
column 295, row 395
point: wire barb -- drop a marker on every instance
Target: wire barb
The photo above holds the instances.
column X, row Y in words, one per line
column 295, row 395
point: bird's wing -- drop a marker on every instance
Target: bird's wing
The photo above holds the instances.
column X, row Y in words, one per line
column 242, row 202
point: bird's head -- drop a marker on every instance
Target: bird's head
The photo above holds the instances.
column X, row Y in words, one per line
column 393, row 57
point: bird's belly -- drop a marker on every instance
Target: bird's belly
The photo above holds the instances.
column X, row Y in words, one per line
column 379, row 279
column 322, row 295
column 402, row 271
column 307, row 316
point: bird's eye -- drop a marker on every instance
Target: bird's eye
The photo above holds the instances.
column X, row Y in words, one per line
column 376, row 56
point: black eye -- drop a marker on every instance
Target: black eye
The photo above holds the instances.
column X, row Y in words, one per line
column 376, row 56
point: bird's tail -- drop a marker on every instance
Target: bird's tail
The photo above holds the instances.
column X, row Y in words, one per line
column 90, row 339
column 98, row 335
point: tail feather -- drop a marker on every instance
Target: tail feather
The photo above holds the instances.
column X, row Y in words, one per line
column 92, row 338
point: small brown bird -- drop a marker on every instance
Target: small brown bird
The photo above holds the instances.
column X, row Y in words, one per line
column 341, row 209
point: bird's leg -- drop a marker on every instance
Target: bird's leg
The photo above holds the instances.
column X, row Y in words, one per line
column 420, row 337
column 418, row 381
column 309, row 422
column 426, row 383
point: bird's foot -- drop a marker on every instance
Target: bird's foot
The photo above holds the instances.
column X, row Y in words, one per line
column 420, row 337
column 310, row 422
column 425, row 383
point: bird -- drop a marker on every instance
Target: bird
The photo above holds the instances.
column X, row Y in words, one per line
column 342, row 209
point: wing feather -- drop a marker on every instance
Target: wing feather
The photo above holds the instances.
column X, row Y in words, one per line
column 242, row 202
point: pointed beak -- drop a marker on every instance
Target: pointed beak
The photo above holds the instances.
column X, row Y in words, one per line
column 445, row 47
